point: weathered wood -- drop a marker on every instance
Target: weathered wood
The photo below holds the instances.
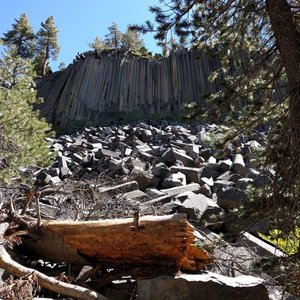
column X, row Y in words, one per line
column 50, row 283
column 160, row 240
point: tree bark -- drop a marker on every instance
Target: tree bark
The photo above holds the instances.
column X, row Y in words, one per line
column 148, row 241
column 45, row 61
column 288, row 42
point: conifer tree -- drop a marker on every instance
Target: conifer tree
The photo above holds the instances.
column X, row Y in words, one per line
column 98, row 44
column 21, row 38
column 22, row 132
column 258, row 45
column 47, row 44
column 113, row 39
column 132, row 41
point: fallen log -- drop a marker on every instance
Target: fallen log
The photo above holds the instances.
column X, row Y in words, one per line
column 146, row 241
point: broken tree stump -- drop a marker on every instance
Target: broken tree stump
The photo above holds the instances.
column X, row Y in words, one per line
column 148, row 241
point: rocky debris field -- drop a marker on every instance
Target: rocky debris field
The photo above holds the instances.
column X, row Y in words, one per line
column 160, row 168
column 165, row 167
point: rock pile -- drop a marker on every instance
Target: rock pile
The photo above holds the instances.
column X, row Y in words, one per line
column 164, row 168
column 169, row 166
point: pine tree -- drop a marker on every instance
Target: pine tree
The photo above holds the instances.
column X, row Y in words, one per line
column 113, row 39
column 257, row 43
column 47, row 44
column 21, row 38
column 98, row 44
column 22, row 132
column 132, row 41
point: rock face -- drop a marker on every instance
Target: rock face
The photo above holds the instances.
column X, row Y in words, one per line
column 205, row 286
column 119, row 83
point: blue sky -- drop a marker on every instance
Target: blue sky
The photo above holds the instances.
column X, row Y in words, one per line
column 79, row 21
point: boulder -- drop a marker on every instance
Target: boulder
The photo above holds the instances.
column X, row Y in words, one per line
column 193, row 187
column 238, row 165
column 193, row 205
column 192, row 174
column 258, row 246
column 173, row 180
column 225, row 165
column 161, row 170
column 202, row 286
column 231, row 197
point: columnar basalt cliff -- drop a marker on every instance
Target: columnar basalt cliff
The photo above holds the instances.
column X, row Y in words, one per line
column 118, row 83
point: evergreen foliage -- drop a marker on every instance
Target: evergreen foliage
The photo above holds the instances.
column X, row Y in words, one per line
column 115, row 39
column 132, row 41
column 257, row 43
column 22, row 42
column 21, row 38
column 47, row 43
column 98, row 44
column 22, row 132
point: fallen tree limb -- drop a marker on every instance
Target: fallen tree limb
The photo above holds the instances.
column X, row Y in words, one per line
column 44, row 281
column 147, row 241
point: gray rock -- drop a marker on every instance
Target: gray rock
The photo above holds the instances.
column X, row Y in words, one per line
column 225, row 165
column 120, row 188
column 187, row 160
column 143, row 180
column 205, row 171
column 208, row 285
column 136, row 195
column 154, row 193
column 106, row 153
column 160, row 200
column 168, row 156
column 173, row 180
column 193, row 187
column 258, row 246
column 205, row 180
column 238, row 165
column 212, row 160
column 155, row 182
column 52, row 179
column 191, row 174
column 231, row 198
column 168, row 208
column 206, row 153
column 243, row 183
column 205, row 189
column 77, row 158
column 193, row 205
column 53, row 171
column 193, row 151
column 253, row 173
column 161, row 170
column 222, row 183
column 261, row 181
column 63, row 166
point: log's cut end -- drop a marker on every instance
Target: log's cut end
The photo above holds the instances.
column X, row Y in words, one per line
column 148, row 241
column 196, row 258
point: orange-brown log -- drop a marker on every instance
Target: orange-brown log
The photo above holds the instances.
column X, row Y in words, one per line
column 156, row 240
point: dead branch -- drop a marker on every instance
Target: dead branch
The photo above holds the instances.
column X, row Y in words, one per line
column 44, row 281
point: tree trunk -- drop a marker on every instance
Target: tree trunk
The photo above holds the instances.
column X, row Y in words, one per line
column 286, row 185
column 45, row 61
column 148, row 241
column 288, row 42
